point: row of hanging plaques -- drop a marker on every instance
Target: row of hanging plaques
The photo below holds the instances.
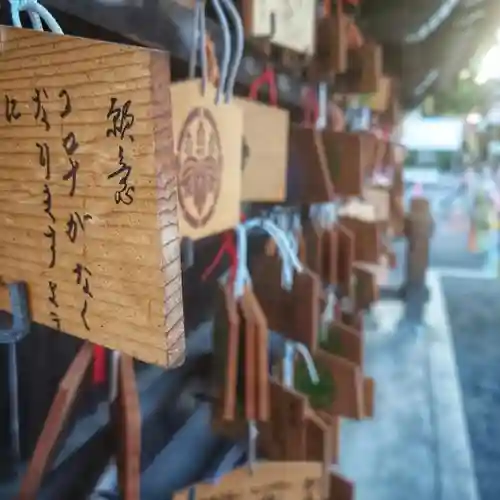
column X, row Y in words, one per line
column 295, row 409
column 107, row 165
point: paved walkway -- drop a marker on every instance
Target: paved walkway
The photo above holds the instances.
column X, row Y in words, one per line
column 417, row 446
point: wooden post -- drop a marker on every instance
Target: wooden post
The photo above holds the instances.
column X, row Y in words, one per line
column 418, row 231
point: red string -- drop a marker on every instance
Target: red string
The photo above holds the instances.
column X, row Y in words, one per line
column 99, row 367
column 310, row 108
column 268, row 77
column 228, row 246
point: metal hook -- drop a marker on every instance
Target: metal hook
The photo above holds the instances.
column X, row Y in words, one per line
column 240, row 45
column 226, row 58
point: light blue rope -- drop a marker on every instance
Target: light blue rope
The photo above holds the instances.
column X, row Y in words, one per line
column 226, row 57
column 198, row 44
column 240, row 45
column 36, row 12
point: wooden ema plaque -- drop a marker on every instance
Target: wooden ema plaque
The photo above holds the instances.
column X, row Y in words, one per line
column 318, row 251
column 283, row 437
column 311, row 248
column 330, row 255
column 369, row 397
column 208, row 146
column 308, row 179
column 294, row 313
column 226, row 339
column 370, row 146
column 266, row 159
column 241, row 362
column 367, row 244
column 256, row 359
column 88, row 191
column 331, row 47
column 280, row 480
column 295, row 432
column 340, row 390
column 333, row 423
column 345, row 156
column 345, row 259
column 365, row 64
column 366, row 290
column 344, row 341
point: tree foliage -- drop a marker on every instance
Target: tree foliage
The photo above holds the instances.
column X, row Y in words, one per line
column 460, row 98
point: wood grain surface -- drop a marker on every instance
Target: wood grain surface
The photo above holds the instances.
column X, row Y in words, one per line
column 88, row 205
column 266, row 132
column 293, row 481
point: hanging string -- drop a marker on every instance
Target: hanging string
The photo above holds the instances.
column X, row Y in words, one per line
column 288, row 254
column 325, row 214
column 240, row 45
column 291, row 349
column 228, row 246
column 198, row 44
column 268, row 77
column 36, row 12
column 226, row 56
column 310, row 107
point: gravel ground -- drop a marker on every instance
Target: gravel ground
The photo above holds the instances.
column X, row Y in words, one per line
column 473, row 306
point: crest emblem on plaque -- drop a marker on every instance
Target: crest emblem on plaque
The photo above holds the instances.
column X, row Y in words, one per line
column 199, row 164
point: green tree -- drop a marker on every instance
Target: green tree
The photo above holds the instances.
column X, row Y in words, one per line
column 460, row 98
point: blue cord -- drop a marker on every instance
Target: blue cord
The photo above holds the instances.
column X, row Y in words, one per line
column 37, row 13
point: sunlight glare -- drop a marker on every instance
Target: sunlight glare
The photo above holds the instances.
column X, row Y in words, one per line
column 489, row 68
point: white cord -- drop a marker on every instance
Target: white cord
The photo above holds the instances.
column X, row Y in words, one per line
column 37, row 13
column 289, row 363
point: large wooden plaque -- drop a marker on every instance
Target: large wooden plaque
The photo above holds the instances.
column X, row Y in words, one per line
column 88, row 205
column 287, row 480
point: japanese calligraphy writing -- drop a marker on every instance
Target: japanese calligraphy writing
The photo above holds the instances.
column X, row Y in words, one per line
column 83, row 276
column 125, row 194
column 70, row 145
column 44, row 158
column 40, row 112
column 63, row 94
column 67, row 107
column 48, row 202
column 52, row 296
column 40, row 97
column 11, row 112
column 70, row 175
column 56, row 320
column 121, row 119
column 51, row 235
column 76, row 221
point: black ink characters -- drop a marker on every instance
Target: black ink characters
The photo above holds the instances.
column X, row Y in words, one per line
column 83, row 276
column 125, row 194
column 11, row 112
column 121, row 119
